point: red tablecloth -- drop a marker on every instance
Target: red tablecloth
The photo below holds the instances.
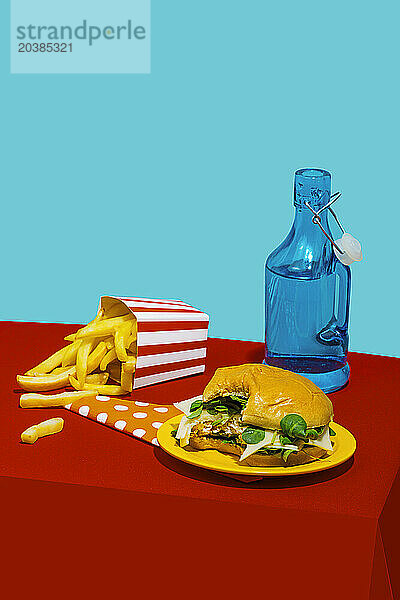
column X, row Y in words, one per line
column 94, row 511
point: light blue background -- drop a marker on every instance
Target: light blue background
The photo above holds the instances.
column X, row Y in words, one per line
column 179, row 183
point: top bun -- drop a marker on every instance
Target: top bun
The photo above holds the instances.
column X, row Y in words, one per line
column 272, row 393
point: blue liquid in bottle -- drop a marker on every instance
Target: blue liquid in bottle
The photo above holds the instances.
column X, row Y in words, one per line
column 308, row 293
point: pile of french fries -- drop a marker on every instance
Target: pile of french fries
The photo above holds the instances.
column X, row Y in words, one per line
column 103, row 350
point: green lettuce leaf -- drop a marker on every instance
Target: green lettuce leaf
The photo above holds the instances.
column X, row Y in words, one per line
column 293, row 426
column 196, row 409
column 253, row 435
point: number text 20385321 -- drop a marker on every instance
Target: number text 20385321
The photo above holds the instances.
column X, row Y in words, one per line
column 44, row 47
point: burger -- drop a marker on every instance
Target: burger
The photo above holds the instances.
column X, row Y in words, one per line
column 265, row 415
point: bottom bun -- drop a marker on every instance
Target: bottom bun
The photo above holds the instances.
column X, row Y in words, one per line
column 258, row 460
column 296, row 458
column 208, row 443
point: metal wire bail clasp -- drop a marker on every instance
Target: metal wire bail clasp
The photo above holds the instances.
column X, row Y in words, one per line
column 316, row 219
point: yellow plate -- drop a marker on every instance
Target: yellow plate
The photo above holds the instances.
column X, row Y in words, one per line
column 344, row 446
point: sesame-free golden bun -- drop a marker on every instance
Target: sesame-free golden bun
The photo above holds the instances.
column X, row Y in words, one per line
column 272, row 393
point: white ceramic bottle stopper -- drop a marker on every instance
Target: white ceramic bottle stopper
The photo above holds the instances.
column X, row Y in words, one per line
column 351, row 249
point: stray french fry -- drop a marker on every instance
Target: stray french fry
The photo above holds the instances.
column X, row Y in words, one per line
column 43, row 383
column 53, row 400
column 30, row 435
column 49, row 364
column 106, row 390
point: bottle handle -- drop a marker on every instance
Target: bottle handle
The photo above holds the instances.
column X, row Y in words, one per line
column 335, row 332
column 343, row 290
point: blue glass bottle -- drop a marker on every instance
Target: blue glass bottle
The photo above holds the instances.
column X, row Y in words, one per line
column 308, row 293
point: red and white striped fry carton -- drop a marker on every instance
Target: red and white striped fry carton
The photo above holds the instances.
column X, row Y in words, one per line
column 171, row 338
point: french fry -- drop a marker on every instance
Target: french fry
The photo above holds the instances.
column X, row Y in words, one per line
column 49, row 364
column 132, row 339
column 99, row 316
column 82, row 356
column 43, row 383
column 58, row 370
column 121, row 340
column 70, row 338
column 55, row 371
column 100, row 378
column 127, row 370
column 96, row 356
column 70, row 353
column 53, row 400
column 104, row 328
column 30, row 435
column 131, row 362
column 109, row 357
column 106, row 390
column 109, row 342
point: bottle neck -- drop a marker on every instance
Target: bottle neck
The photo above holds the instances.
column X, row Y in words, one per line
column 303, row 220
column 311, row 186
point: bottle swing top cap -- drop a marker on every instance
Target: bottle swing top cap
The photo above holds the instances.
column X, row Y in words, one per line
column 351, row 249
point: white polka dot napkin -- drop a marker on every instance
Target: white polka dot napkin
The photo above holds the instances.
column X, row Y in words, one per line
column 139, row 419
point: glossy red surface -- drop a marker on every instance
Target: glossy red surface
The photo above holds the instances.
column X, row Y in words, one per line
column 132, row 497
